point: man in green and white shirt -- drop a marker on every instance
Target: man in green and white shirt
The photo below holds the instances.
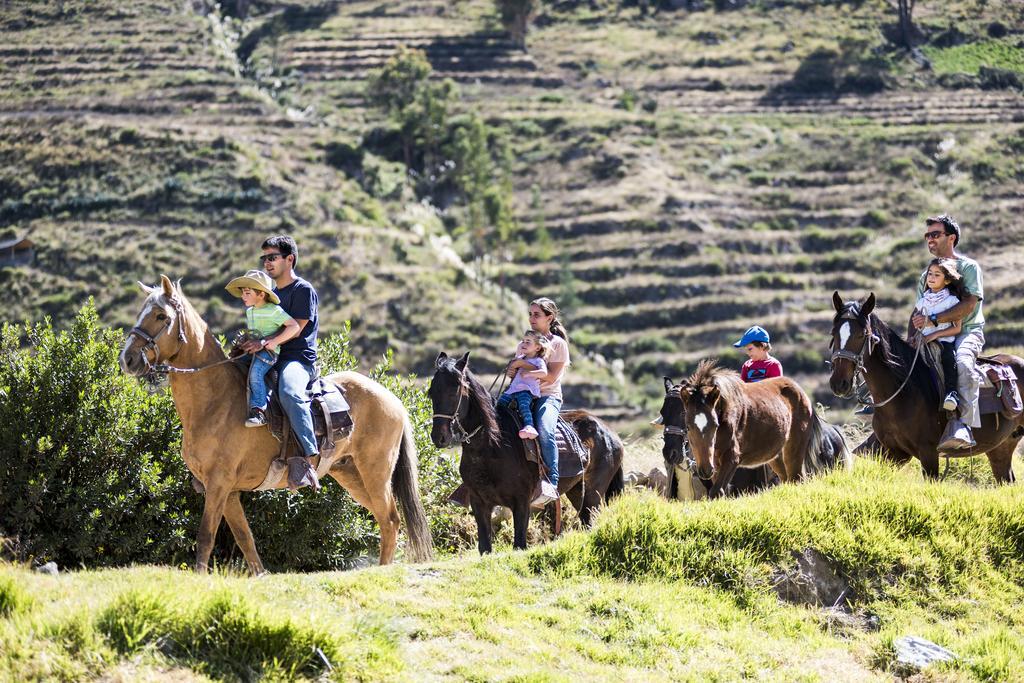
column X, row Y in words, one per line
column 264, row 315
column 943, row 235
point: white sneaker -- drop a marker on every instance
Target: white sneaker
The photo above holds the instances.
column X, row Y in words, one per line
column 548, row 494
column 950, row 403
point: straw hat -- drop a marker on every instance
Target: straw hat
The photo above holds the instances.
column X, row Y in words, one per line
column 254, row 279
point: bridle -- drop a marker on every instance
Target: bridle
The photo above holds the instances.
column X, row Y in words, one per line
column 459, row 433
column 867, row 348
column 156, row 368
column 688, row 462
column 150, row 340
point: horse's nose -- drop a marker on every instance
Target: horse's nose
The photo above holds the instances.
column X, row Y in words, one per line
column 705, row 472
column 840, row 387
column 439, row 438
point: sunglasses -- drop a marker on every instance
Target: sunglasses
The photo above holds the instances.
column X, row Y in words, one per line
column 934, row 234
column 270, row 258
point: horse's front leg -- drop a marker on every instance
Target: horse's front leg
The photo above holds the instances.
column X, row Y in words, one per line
column 239, row 525
column 482, row 515
column 213, row 512
column 724, row 474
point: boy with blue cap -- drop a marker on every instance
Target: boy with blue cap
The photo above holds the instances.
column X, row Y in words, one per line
column 760, row 363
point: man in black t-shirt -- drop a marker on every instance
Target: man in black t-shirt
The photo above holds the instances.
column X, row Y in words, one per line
column 297, row 354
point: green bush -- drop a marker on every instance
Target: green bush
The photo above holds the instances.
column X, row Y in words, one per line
column 89, row 457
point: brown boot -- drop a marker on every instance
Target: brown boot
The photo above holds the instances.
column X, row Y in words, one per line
column 301, row 473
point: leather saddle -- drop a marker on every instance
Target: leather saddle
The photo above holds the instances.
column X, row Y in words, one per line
column 332, row 420
column 573, row 455
column 1000, row 394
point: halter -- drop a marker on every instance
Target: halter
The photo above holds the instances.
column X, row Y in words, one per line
column 150, row 340
column 866, row 349
column 459, row 433
column 688, row 463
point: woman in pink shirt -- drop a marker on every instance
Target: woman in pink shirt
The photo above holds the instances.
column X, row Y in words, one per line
column 760, row 363
column 544, row 320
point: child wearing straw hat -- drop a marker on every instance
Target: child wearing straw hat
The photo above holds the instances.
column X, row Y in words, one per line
column 265, row 316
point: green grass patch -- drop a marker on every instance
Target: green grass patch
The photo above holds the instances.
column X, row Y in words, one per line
column 657, row 591
column 970, row 57
column 13, row 597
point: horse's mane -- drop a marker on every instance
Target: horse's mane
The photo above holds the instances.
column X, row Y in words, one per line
column 898, row 356
column 480, row 399
column 709, row 374
column 193, row 322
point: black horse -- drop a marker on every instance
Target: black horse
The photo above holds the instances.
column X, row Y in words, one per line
column 679, row 462
column 494, row 467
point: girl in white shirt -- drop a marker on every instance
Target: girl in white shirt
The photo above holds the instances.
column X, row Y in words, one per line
column 942, row 292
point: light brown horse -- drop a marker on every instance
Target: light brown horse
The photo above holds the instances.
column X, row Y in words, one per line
column 731, row 424
column 376, row 462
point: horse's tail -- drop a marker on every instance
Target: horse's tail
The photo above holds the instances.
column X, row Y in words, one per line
column 826, row 449
column 404, row 482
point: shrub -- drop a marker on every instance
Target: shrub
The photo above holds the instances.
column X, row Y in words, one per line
column 90, row 460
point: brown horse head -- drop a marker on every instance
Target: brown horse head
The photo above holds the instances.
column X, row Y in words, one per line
column 161, row 330
column 852, row 341
column 673, row 420
column 705, row 397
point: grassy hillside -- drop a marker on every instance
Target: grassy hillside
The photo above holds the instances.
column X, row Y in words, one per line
column 658, row 591
column 676, row 177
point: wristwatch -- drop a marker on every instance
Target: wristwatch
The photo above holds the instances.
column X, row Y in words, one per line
column 934, row 319
column 263, row 343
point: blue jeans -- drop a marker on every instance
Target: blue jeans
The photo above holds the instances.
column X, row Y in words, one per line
column 293, row 378
column 524, row 401
column 259, row 366
column 545, row 415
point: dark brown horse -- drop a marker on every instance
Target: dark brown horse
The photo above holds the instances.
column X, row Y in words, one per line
column 494, row 466
column 909, row 425
column 731, row 424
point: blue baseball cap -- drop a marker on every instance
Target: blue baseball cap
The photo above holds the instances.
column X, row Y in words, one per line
column 754, row 334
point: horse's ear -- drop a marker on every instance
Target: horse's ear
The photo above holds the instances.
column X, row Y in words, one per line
column 837, row 301
column 168, row 286
column 441, row 358
column 668, row 384
column 177, row 285
column 711, row 394
column 460, row 364
column 146, row 288
column 869, row 305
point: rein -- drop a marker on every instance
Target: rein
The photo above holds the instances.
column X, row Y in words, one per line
column 158, row 368
column 866, row 349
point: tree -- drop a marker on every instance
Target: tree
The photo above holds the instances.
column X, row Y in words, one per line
column 516, row 16
column 419, row 108
column 905, row 10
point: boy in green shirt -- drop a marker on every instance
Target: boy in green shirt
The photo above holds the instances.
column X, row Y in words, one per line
column 264, row 315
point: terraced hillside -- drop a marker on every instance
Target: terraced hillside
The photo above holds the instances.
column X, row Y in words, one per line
column 677, row 177
column 683, row 176
column 132, row 144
